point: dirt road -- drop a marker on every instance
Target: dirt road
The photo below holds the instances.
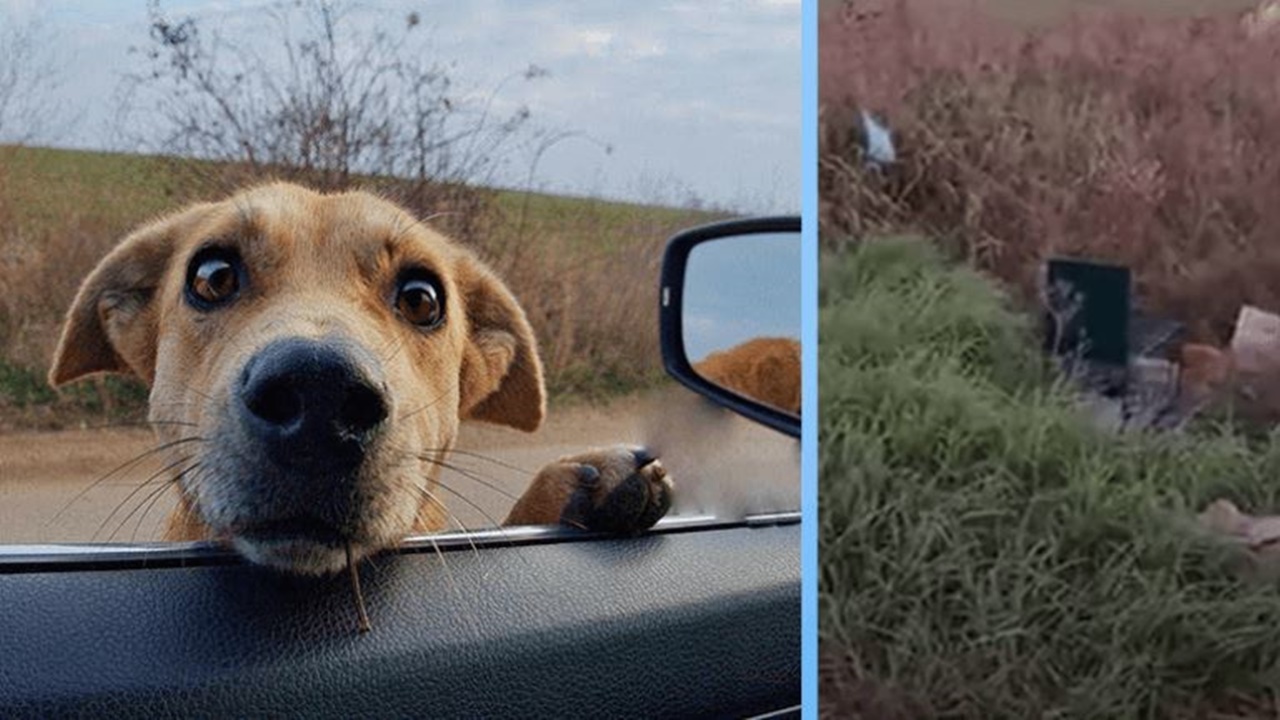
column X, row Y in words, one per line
column 52, row 487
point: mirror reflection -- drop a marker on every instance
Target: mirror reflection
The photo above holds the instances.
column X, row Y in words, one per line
column 741, row 316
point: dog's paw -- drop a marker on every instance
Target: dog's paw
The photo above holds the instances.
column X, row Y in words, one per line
column 622, row 490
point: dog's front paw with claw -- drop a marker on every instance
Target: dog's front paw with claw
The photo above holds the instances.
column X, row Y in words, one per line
column 622, row 490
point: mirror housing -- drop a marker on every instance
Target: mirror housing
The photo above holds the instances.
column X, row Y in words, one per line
column 674, row 292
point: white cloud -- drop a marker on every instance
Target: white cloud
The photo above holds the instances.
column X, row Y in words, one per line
column 591, row 42
column 600, row 42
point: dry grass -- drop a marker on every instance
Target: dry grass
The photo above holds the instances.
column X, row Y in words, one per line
column 1152, row 141
column 585, row 270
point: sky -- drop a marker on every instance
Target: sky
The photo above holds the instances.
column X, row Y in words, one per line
column 661, row 101
column 740, row 288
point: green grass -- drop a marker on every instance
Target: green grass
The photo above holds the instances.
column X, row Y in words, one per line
column 26, row 400
column 127, row 189
column 984, row 552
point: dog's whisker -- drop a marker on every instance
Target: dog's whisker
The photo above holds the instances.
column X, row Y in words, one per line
column 402, row 341
column 448, row 573
column 468, row 501
column 158, row 484
column 148, row 501
column 472, row 476
column 142, row 518
column 449, row 518
column 373, row 562
column 124, row 466
column 154, row 477
column 429, row 404
column 496, row 525
column 453, row 583
column 179, row 423
column 199, row 392
column 481, row 456
column 155, row 499
column 195, row 390
column 171, row 404
column 444, row 565
column 388, row 344
column 475, row 478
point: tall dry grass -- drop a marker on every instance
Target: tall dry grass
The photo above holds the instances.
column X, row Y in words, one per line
column 1149, row 141
column 40, row 268
column 41, row 265
column 587, row 275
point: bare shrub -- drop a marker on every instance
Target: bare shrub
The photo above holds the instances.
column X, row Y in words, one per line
column 1149, row 141
column 324, row 100
column 586, row 273
column 28, row 72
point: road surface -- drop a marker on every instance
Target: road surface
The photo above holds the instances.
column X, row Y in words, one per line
column 52, row 487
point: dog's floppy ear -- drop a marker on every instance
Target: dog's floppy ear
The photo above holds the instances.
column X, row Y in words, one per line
column 111, row 326
column 501, row 372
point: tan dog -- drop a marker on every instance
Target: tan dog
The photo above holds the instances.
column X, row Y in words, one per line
column 763, row 369
column 310, row 358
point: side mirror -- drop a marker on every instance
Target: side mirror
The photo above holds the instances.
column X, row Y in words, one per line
column 730, row 316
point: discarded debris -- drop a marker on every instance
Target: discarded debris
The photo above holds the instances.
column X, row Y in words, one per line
column 1255, row 344
column 1255, row 531
column 1257, row 535
column 1245, row 374
column 878, row 143
column 1262, row 19
column 1115, row 355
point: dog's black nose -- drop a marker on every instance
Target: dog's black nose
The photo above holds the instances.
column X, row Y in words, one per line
column 309, row 402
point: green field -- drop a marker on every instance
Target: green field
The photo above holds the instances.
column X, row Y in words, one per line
column 585, row 269
column 46, row 185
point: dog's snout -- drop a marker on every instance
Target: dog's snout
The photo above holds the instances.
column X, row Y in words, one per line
column 309, row 399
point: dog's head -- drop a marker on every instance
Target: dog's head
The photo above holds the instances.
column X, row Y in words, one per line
column 319, row 347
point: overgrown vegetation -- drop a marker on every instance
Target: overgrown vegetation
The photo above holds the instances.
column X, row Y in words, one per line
column 1145, row 139
column 985, row 553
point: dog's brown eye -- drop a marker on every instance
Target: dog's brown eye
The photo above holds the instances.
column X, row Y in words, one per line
column 419, row 302
column 213, row 278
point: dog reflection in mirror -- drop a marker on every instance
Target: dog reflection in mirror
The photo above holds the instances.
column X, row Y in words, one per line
column 765, row 369
column 310, row 357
